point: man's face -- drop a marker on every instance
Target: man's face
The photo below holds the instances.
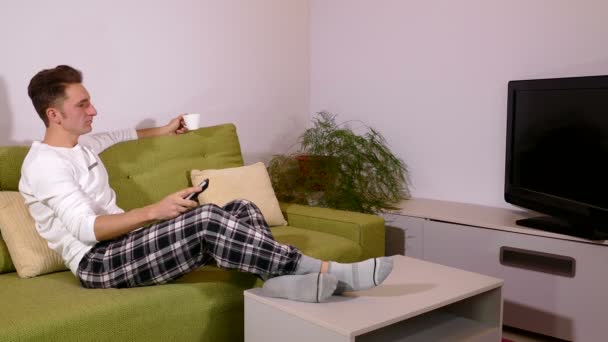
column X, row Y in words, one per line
column 76, row 111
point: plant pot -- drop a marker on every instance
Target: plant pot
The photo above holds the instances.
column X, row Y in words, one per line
column 318, row 172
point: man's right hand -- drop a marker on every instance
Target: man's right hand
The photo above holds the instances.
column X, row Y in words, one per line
column 114, row 225
column 173, row 205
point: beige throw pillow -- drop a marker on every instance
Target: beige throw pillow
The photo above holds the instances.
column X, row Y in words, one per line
column 29, row 251
column 247, row 182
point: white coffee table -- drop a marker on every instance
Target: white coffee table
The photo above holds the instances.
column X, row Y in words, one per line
column 419, row 301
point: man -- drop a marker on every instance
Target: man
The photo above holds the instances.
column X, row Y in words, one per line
column 66, row 188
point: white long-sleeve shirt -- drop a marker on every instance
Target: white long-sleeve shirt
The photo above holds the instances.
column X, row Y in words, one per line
column 65, row 190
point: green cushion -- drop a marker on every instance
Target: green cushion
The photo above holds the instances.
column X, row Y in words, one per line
column 146, row 170
column 317, row 244
column 206, row 305
column 11, row 158
column 6, row 263
column 366, row 230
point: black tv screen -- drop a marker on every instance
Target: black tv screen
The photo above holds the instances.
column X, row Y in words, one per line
column 557, row 145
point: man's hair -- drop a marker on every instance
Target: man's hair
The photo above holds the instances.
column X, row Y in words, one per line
column 47, row 88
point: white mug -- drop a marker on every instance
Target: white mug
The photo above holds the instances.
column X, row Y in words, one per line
column 192, row 120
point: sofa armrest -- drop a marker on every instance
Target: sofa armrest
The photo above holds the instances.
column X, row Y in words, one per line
column 365, row 229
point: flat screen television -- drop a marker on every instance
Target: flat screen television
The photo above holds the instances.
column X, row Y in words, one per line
column 557, row 153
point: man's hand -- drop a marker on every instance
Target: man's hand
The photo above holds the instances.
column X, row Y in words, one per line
column 175, row 126
column 114, row 225
column 173, row 205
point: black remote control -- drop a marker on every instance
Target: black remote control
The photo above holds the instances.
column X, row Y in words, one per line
column 204, row 185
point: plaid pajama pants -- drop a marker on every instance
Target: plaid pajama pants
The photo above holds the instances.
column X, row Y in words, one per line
column 235, row 236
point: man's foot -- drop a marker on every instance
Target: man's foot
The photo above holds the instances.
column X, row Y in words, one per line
column 360, row 275
column 312, row 287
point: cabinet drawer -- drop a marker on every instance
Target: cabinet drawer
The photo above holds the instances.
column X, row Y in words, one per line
column 537, row 297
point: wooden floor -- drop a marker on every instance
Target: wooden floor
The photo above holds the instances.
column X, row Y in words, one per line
column 518, row 335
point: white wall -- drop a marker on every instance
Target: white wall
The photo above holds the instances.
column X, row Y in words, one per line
column 237, row 61
column 432, row 76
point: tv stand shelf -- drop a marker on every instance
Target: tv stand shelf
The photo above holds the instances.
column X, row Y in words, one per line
column 554, row 284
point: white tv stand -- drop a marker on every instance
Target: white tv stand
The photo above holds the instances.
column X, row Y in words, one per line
column 554, row 284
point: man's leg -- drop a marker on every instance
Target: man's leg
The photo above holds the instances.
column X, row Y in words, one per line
column 248, row 213
column 169, row 249
column 360, row 275
column 236, row 244
column 311, row 287
column 357, row 276
column 351, row 277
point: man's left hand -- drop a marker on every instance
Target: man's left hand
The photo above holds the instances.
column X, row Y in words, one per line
column 175, row 126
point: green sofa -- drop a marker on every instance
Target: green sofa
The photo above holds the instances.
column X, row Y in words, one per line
column 205, row 305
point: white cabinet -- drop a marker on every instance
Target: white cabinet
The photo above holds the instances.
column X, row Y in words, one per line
column 404, row 235
column 554, row 284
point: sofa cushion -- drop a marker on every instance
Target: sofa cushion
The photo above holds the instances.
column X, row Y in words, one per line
column 6, row 263
column 29, row 251
column 144, row 171
column 206, row 304
column 318, row 244
column 249, row 182
column 11, row 158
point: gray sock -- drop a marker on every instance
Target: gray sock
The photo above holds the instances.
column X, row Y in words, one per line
column 361, row 275
column 308, row 265
column 312, row 287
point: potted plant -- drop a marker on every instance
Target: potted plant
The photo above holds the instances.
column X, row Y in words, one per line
column 338, row 168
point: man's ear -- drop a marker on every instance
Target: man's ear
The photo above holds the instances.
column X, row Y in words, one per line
column 53, row 115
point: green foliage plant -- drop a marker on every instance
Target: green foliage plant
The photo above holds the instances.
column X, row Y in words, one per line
column 338, row 168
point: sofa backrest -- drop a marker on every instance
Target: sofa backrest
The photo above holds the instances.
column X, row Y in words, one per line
column 144, row 171
column 11, row 158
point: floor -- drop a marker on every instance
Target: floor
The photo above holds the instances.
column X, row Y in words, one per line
column 517, row 335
